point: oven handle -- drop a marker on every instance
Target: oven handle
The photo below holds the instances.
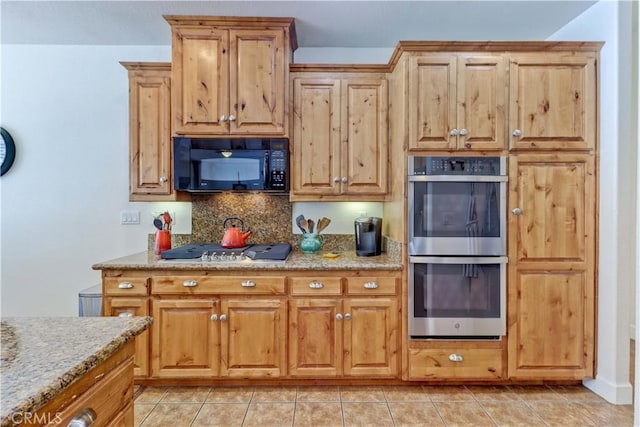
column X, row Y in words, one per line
column 458, row 260
column 458, row 178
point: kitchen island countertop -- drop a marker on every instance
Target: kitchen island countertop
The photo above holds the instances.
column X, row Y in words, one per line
column 42, row 356
column 297, row 261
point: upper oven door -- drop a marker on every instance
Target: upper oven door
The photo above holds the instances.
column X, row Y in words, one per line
column 457, row 215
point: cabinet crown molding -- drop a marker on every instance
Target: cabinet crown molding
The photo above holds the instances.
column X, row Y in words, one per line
column 237, row 22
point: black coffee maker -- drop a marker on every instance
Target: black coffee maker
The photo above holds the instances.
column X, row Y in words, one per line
column 368, row 236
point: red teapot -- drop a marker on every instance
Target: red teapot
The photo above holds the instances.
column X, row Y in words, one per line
column 234, row 237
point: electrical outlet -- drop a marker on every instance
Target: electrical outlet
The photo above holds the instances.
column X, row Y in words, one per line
column 129, row 217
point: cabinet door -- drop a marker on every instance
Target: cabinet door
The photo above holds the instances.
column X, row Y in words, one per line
column 371, row 337
column 551, row 292
column 253, row 338
column 150, row 134
column 316, row 137
column 258, row 73
column 315, row 344
column 481, row 90
column 432, row 102
column 552, row 101
column 200, row 75
column 127, row 307
column 364, row 135
column 185, row 338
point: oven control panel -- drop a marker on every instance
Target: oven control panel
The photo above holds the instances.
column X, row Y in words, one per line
column 444, row 165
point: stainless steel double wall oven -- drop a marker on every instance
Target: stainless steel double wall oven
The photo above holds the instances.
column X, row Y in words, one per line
column 457, row 247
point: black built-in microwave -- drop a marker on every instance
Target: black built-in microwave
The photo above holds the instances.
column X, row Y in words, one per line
column 230, row 164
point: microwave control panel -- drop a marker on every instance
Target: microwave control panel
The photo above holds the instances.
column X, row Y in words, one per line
column 278, row 166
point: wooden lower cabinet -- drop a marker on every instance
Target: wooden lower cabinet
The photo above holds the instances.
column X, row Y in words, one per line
column 343, row 337
column 133, row 306
column 185, row 338
column 210, row 337
column 253, row 340
column 444, row 360
column 552, row 266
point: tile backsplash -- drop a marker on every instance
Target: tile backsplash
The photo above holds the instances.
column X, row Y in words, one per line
column 267, row 216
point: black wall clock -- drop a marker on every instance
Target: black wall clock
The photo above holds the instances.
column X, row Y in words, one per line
column 7, row 151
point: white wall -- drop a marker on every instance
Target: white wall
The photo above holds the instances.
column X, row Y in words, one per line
column 67, row 109
column 611, row 22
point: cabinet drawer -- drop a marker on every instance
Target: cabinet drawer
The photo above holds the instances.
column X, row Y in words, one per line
column 455, row 363
column 316, row 286
column 371, row 286
column 218, row 285
column 107, row 398
column 124, row 286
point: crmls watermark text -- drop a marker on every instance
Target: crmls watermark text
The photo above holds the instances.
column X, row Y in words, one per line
column 34, row 418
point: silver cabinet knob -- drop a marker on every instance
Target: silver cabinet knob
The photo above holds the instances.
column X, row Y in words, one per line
column 125, row 285
column 163, row 179
column 189, row 283
column 84, row 418
column 347, row 316
column 516, row 211
column 248, row 284
column 339, row 316
column 316, row 285
column 344, row 179
column 214, row 317
column 371, row 285
column 453, row 132
column 456, row 357
column 232, row 118
column 223, row 118
column 464, row 132
column 125, row 314
column 223, row 317
column 336, row 179
column 517, row 133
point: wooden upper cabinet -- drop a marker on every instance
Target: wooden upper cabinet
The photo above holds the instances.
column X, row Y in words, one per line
column 150, row 168
column 457, row 102
column 339, row 146
column 552, row 102
column 230, row 75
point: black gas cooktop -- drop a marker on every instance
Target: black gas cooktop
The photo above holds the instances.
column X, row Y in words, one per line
column 270, row 252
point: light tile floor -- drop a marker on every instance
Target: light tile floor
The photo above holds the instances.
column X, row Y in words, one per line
column 331, row 406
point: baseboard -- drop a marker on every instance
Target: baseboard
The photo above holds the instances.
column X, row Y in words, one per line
column 618, row 394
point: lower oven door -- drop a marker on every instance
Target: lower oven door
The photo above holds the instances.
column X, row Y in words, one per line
column 457, row 297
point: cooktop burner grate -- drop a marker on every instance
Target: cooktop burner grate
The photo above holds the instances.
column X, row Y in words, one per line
column 271, row 252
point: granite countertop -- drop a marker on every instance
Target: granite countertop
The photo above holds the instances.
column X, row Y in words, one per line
column 41, row 356
column 297, row 261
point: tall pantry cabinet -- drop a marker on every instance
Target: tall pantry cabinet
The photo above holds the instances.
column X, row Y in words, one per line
column 536, row 103
column 552, row 213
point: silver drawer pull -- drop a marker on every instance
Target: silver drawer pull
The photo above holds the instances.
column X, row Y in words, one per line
column 248, row 284
column 125, row 285
column 189, row 283
column 84, row 418
column 456, row 357
column 125, row 314
column 371, row 285
column 316, row 285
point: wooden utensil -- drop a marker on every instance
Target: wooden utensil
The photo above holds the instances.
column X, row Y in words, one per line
column 323, row 223
column 311, row 224
column 305, row 225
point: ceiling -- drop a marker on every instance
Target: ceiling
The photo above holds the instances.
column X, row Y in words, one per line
column 318, row 23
